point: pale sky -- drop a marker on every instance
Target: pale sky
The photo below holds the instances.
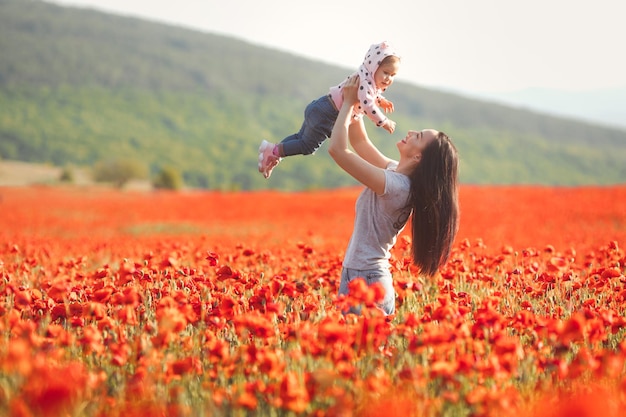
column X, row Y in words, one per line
column 456, row 45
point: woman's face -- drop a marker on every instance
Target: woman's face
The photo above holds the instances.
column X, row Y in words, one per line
column 413, row 145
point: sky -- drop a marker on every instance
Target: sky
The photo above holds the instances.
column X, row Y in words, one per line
column 455, row 45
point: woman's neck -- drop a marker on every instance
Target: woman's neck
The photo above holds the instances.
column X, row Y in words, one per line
column 406, row 167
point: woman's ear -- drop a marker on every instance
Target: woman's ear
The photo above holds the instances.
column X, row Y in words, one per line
column 417, row 157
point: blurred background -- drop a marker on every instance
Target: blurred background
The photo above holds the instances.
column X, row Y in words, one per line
column 180, row 94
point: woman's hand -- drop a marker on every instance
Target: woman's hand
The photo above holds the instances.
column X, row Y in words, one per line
column 350, row 89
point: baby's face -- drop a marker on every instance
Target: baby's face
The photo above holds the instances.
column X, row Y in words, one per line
column 385, row 74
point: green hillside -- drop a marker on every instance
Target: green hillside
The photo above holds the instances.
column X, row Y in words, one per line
column 80, row 87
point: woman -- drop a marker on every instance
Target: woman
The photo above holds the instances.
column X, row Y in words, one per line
column 423, row 183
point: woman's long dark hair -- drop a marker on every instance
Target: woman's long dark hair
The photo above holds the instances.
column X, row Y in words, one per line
column 434, row 201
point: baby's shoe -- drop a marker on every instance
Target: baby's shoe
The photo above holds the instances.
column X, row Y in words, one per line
column 267, row 159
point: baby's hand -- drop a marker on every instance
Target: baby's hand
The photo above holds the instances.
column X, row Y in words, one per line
column 389, row 125
column 386, row 105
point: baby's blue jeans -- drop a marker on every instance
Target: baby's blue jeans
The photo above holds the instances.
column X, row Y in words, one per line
column 319, row 119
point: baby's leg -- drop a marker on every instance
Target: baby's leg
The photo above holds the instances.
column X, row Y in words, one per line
column 319, row 119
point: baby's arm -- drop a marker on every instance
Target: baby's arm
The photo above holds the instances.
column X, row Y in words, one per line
column 369, row 103
column 389, row 125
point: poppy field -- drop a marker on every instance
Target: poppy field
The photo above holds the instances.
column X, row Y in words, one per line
column 122, row 303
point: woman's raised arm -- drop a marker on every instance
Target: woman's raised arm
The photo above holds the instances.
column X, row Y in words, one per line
column 364, row 147
column 370, row 175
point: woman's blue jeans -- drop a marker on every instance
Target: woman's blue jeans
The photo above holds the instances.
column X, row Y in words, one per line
column 371, row 276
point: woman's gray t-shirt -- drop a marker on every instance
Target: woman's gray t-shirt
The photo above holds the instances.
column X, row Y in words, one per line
column 378, row 221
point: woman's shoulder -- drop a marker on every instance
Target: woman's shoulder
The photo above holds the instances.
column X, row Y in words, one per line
column 392, row 165
column 396, row 183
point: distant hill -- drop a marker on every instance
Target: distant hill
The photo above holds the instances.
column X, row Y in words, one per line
column 602, row 106
column 78, row 87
